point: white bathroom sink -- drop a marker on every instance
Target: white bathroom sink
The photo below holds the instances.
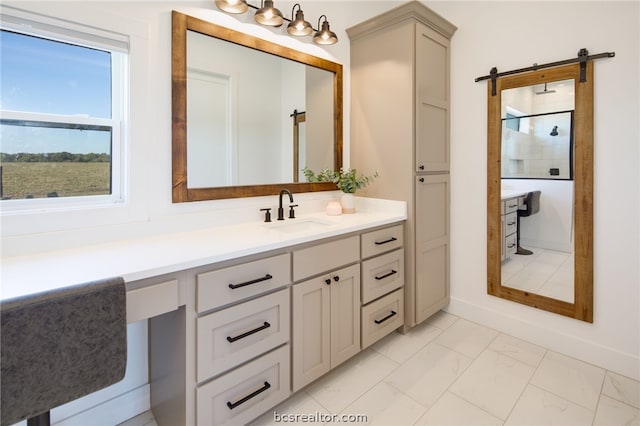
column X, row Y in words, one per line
column 291, row 226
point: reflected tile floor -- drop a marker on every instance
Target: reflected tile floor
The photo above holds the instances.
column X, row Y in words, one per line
column 545, row 272
column 450, row 371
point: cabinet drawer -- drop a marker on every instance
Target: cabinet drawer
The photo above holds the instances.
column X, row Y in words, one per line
column 510, row 223
column 224, row 286
column 151, row 301
column 510, row 205
column 381, row 317
column 382, row 274
column 324, row 257
column 510, row 245
column 234, row 335
column 243, row 394
column 382, row 241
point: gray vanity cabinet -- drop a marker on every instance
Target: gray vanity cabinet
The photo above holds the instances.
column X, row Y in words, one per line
column 382, row 283
column 509, row 229
column 250, row 330
column 224, row 358
column 400, row 129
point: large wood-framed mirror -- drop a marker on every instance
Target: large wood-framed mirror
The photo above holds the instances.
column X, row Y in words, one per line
column 233, row 96
column 540, row 174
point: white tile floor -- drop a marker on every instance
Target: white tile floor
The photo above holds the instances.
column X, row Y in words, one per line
column 545, row 272
column 450, row 371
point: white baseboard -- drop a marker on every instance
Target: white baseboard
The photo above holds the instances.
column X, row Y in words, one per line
column 113, row 411
column 566, row 247
column 588, row 351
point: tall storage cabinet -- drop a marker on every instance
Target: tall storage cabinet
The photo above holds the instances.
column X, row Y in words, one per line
column 400, row 128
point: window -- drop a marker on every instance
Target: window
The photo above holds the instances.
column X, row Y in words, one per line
column 62, row 111
column 512, row 122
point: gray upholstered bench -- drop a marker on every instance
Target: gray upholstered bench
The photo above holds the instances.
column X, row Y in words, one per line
column 59, row 346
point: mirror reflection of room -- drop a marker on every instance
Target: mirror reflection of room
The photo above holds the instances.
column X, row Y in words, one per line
column 239, row 106
column 537, row 189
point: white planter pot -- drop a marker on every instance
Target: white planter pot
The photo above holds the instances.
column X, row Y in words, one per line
column 348, row 202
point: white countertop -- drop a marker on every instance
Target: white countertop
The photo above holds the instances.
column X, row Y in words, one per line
column 136, row 259
column 505, row 194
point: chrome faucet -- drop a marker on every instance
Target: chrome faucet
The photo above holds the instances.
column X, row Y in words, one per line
column 280, row 208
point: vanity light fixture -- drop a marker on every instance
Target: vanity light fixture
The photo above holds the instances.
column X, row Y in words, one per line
column 325, row 35
column 299, row 27
column 268, row 15
column 232, row 6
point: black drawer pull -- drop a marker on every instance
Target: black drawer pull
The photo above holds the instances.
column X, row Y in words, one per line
column 380, row 321
column 393, row 272
column 390, row 240
column 257, row 280
column 233, row 405
column 248, row 333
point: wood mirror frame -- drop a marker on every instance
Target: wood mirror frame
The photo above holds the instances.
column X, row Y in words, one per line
column 182, row 23
column 582, row 307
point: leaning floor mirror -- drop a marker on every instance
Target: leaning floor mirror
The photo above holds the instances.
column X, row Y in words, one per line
column 540, row 190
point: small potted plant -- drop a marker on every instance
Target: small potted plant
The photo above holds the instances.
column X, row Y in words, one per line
column 347, row 180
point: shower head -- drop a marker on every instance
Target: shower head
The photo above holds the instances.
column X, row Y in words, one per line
column 545, row 91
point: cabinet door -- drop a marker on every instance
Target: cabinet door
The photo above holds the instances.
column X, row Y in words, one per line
column 311, row 339
column 432, row 245
column 345, row 314
column 432, row 101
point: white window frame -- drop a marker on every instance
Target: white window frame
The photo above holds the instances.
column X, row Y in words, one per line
column 118, row 46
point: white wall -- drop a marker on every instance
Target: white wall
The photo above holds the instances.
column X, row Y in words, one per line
column 149, row 209
column 552, row 227
column 319, row 119
column 512, row 35
column 489, row 34
column 293, row 95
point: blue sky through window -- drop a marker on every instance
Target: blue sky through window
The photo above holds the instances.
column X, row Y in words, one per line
column 45, row 76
